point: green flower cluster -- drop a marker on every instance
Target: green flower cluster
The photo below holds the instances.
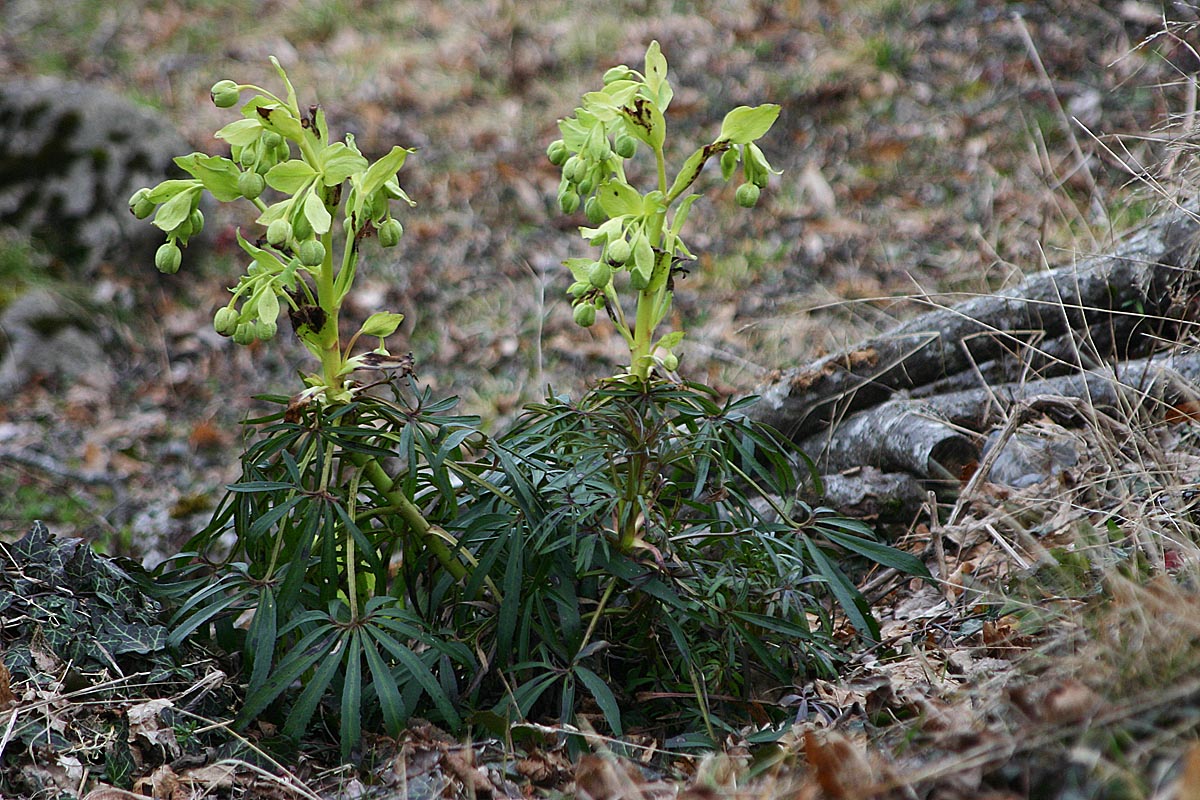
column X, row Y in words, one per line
column 637, row 232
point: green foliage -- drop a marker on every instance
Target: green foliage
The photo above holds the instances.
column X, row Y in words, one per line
column 649, row 546
column 336, row 563
column 644, row 543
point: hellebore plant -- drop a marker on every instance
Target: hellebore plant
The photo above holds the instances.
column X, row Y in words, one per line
column 639, row 232
column 341, row 485
column 648, row 537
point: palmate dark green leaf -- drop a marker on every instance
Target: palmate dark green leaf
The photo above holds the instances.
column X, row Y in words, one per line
column 260, row 486
column 877, row 552
column 206, row 606
column 261, row 638
column 415, row 668
column 529, row 691
column 603, row 696
column 316, row 686
column 350, row 729
column 365, row 547
column 316, row 645
column 853, row 604
column 394, row 711
column 266, row 521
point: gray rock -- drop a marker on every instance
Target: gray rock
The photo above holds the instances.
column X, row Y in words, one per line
column 70, row 156
column 42, row 333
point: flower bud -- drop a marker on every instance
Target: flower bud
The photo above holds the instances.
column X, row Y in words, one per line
column 670, row 362
column 270, row 140
column 625, row 145
column 141, row 205
column 747, row 195
column 249, row 155
column 574, row 168
column 585, row 315
column 557, row 152
column 265, row 329
column 251, row 185
column 758, row 169
column 597, row 148
column 195, row 222
column 301, row 227
column 244, row 333
column 568, row 201
column 600, row 274
column 224, row 94
column 312, row 253
column 390, row 233
column 225, row 321
column 279, row 233
column 594, row 213
column 618, row 252
column 586, row 184
column 729, row 161
column 578, row 289
column 168, row 258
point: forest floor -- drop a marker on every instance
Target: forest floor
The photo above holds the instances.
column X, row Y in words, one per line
column 930, row 151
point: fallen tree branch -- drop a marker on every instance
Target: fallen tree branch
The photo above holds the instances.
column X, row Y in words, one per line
column 930, row 437
column 1126, row 301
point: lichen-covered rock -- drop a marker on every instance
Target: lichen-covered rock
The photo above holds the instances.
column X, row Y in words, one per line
column 71, row 154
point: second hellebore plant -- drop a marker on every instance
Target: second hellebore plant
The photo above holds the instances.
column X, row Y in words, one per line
column 639, row 232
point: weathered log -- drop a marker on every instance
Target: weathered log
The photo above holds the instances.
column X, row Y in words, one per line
column 928, row 437
column 868, row 493
column 897, row 436
column 1140, row 294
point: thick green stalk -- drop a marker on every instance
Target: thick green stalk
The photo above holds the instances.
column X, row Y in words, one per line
column 651, row 297
column 411, row 515
column 331, row 348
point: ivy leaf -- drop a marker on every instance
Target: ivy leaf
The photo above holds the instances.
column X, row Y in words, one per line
column 744, row 124
column 290, row 176
column 318, row 216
